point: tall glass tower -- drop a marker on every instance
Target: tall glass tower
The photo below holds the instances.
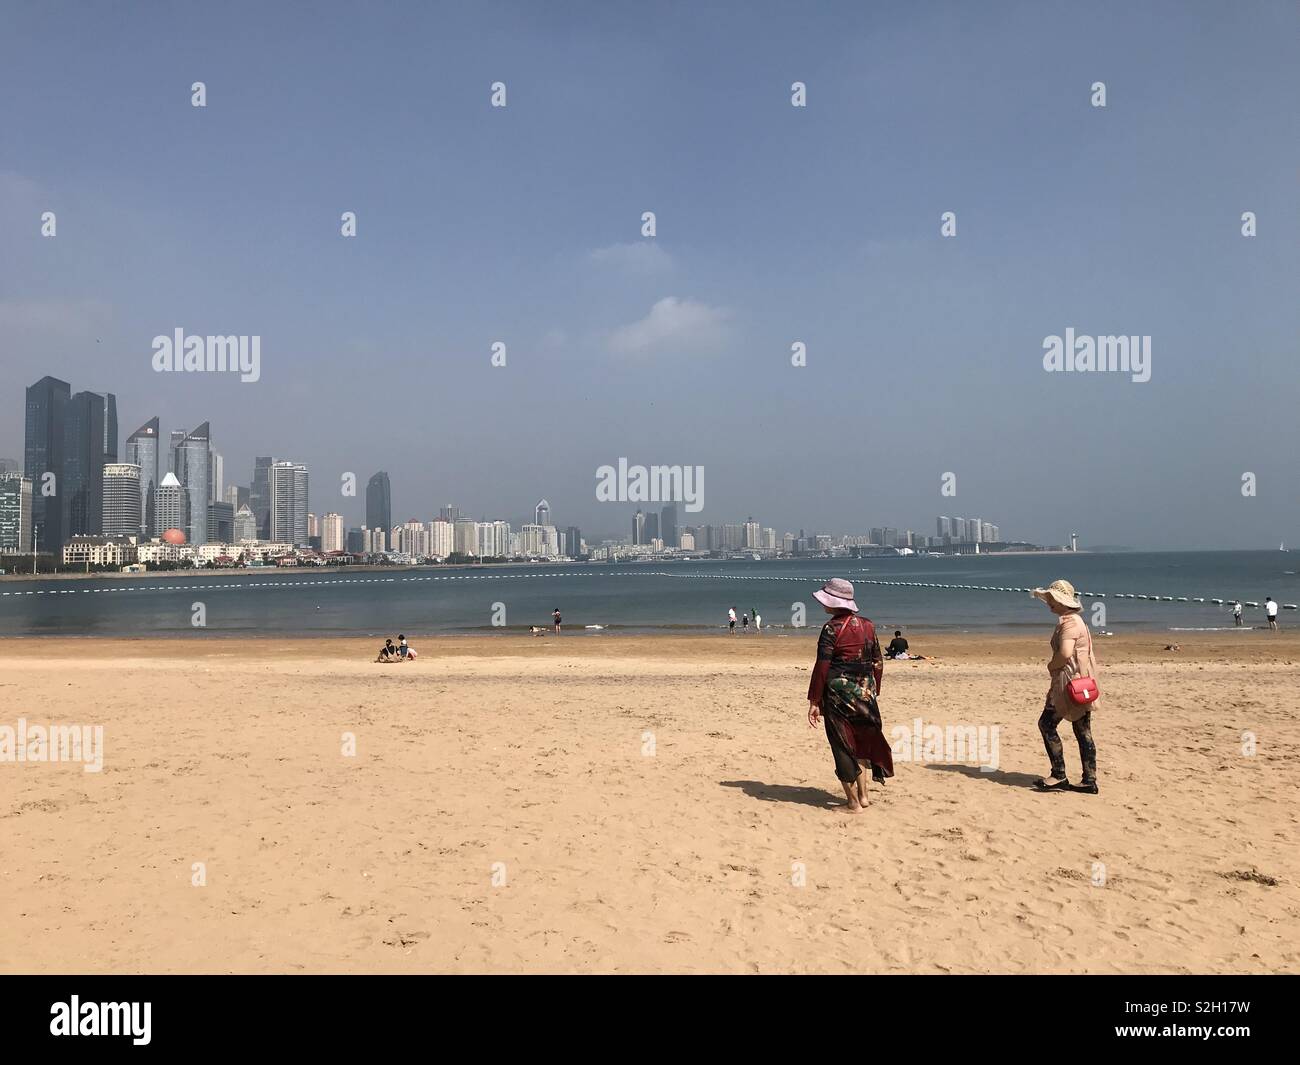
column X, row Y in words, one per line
column 142, row 451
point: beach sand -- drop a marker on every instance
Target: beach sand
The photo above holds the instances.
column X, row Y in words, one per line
column 529, row 761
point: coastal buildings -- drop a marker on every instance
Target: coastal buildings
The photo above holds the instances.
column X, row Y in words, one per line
column 331, row 532
column 542, row 513
column 172, row 505
column 244, row 524
column 142, row 451
column 15, row 513
column 259, row 494
column 190, row 463
column 122, row 508
column 379, row 501
column 99, row 551
column 287, row 489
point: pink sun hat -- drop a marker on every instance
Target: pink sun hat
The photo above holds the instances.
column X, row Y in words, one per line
column 837, row 594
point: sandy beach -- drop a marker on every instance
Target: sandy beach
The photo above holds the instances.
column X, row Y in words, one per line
column 631, row 804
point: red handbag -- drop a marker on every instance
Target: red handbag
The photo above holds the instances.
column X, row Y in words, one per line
column 1084, row 690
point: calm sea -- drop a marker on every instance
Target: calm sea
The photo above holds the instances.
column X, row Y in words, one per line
column 684, row 596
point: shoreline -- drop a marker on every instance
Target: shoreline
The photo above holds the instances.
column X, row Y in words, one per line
column 1280, row 649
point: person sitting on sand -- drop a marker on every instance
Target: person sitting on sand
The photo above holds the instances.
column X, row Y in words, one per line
column 897, row 646
column 842, row 691
column 1071, row 657
column 387, row 653
column 402, row 648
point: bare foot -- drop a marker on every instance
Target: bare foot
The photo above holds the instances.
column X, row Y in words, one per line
column 862, row 792
column 852, row 808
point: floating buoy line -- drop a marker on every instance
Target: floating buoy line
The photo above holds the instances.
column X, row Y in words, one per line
column 232, row 585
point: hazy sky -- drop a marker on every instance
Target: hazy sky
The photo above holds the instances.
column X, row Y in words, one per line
column 775, row 224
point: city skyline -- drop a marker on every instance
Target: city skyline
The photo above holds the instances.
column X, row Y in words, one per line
column 777, row 228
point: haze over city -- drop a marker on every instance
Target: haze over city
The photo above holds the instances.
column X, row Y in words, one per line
column 775, row 224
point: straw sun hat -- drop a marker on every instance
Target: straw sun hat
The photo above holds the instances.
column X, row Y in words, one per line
column 1061, row 592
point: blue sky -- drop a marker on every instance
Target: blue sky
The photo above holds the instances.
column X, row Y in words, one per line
column 775, row 224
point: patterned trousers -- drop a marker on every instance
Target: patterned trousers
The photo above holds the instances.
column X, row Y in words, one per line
column 1047, row 725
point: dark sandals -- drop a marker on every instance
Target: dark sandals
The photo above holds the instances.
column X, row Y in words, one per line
column 1061, row 785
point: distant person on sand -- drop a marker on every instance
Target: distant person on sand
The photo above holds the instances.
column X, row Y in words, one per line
column 1270, row 608
column 1236, row 613
column 845, row 682
column 555, row 617
column 897, row 646
column 731, row 620
column 1071, row 657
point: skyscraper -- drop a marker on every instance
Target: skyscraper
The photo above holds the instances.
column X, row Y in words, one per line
column 121, row 495
column 15, row 513
column 216, row 478
column 638, row 527
column 287, row 482
column 90, row 441
column 542, row 513
column 331, row 532
column 172, row 505
column 244, row 525
column 259, row 495
column 379, row 502
column 668, row 525
column 190, row 463
column 142, row 451
column 45, row 427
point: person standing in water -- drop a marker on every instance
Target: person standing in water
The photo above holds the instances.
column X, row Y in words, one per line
column 758, row 621
column 731, row 620
column 556, row 619
column 1270, row 608
column 841, row 693
column 1236, row 613
column 744, row 622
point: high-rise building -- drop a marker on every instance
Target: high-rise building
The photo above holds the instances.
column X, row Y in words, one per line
column 464, row 536
column 259, row 495
column 190, row 458
column 172, row 505
column 237, row 496
column 245, row 525
column 441, row 538
column 43, row 447
column 216, row 478
column 221, row 522
column 15, row 513
column 651, row 530
column 542, row 513
column 668, row 524
column 573, row 541
column 448, row 513
column 638, row 527
column 354, row 541
column 943, row 526
column 379, row 501
column 287, row 485
column 331, row 532
column 142, row 451
column 121, row 495
column 90, row 441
